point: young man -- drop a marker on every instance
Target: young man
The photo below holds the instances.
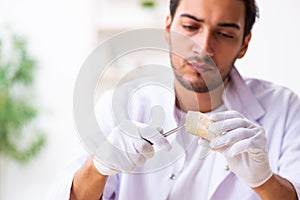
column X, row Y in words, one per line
column 259, row 122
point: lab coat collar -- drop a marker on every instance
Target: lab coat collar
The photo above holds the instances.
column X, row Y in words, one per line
column 239, row 97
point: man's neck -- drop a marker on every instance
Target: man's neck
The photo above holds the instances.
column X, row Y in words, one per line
column 187, row 100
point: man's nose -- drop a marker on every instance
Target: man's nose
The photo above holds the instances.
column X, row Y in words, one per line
column 203, row 43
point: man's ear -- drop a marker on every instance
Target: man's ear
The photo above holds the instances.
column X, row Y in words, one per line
column 167, row 28
column 245, row 45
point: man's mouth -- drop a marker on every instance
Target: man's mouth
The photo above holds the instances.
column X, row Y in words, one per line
column 199, row 67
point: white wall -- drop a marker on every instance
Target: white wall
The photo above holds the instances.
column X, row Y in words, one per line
column 61, row 35
column 273, row 52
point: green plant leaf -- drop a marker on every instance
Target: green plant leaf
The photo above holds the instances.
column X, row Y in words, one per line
column 24, row 154
column 16, row 109
column 148, row 4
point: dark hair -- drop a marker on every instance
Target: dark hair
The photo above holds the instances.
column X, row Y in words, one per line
column 251, row 13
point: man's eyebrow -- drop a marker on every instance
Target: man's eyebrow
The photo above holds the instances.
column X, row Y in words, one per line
column 232, row 25
column 192, row 17
column 222, row 24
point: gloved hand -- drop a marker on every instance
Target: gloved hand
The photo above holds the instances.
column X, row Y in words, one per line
column 244, row 145
column 128, row 146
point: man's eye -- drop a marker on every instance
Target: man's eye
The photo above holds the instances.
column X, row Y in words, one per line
column 190, row 28
column 225, row 35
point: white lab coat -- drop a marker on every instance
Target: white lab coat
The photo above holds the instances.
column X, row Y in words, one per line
column 273, row 107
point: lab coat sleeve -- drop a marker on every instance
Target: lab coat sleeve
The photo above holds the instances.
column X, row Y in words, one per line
column 289, row 160
column 61, row 187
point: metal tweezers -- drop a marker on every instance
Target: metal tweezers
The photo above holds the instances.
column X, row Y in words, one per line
column 166, row 134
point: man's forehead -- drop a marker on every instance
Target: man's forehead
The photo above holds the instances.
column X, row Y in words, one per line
column 231, row 11
column 224, row 7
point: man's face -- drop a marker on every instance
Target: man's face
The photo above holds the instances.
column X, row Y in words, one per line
column 206, row 37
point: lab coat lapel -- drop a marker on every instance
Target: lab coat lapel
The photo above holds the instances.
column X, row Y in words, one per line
column 239, row 97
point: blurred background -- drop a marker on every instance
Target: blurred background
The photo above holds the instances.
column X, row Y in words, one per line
column 60, row 34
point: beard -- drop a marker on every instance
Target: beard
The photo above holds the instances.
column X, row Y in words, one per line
column 205, row 81
column 198, row 87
